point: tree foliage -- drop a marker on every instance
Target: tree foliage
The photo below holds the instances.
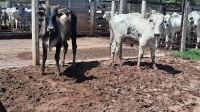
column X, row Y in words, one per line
column 174, row 1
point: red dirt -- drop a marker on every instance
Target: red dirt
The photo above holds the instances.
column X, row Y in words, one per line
column 95, row 86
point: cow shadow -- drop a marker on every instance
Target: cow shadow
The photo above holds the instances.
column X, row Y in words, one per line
column 79, row 72
column 2, row 108
column 167, row 68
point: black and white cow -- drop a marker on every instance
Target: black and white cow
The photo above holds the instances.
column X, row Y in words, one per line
column 58, row 26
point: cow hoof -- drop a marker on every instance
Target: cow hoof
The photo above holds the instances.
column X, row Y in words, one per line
column 139, row 69
column 120, row 63
column 56, row 74
column 155, row 67
column 42, row 71
column 73, row 66
column 62, row 64
column 110, row 62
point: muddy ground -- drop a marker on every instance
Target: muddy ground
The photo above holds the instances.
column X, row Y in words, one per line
column 94, row 85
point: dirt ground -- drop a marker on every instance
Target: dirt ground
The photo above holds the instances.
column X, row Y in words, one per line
column 94, row 85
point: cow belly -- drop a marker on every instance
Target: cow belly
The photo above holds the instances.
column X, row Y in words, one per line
column 51, row 43
column 131, row 40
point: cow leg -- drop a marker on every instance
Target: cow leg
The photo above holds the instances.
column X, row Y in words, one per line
column 167, row 42
column 118, row 50
column 74, row 47
column 44, row 58
column 57, row 58
column 172, row 40
column 198, row 41
column 112, row 52
column 65, row 48
column 140, row 55
column 153, row 50
column 16, row 22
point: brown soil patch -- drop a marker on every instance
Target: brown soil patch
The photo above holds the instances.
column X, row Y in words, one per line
column 95, row 86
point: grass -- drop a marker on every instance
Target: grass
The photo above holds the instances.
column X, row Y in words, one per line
column 190, row 54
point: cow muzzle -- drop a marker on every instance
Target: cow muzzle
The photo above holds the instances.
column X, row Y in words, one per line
column 50, row 29
column 157, row 35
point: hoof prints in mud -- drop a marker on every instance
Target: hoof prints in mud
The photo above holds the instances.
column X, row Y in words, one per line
column 95, row 86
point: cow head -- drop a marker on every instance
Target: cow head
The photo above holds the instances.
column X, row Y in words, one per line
column 107, row 15
column 20, row 10
column 156, row 21
column 194, row 18
column 166, row 20
column 50, row 22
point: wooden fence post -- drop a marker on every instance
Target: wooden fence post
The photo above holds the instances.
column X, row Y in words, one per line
column 112, row 14
column 121, row 11
column 121, row 6
column 143, row 9
column 113, row 8
column 161, row 7
column 35, row 39
column 47, row 2
column 69, row 4
column 184, row 26
column 92, row 16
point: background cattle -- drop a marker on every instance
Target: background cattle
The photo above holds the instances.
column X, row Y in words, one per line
column 18, row 17
column 194, row 21
column 136, row 30
column 174, row 26
column 167, row 30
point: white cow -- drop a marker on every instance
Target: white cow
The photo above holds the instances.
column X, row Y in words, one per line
column 23, row 17
column 18, row 15
column 135, row 29
column 173, row 28
column 11, row 16
column 194, row 21
column 4, row 18
column 167, row 31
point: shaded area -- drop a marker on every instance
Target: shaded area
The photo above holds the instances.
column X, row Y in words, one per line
column 2, row 108
column 15, row 35
column 79, row 72
column 169, row 69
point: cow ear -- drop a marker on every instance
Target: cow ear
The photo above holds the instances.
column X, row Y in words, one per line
column 40, row 13
column 57, row 6
column 43, row 6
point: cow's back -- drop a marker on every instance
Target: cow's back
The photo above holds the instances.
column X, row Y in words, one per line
column 120, row 23
column 175, row 22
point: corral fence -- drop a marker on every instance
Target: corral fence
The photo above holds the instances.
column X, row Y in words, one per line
column 87, row 11
column 90, row 14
